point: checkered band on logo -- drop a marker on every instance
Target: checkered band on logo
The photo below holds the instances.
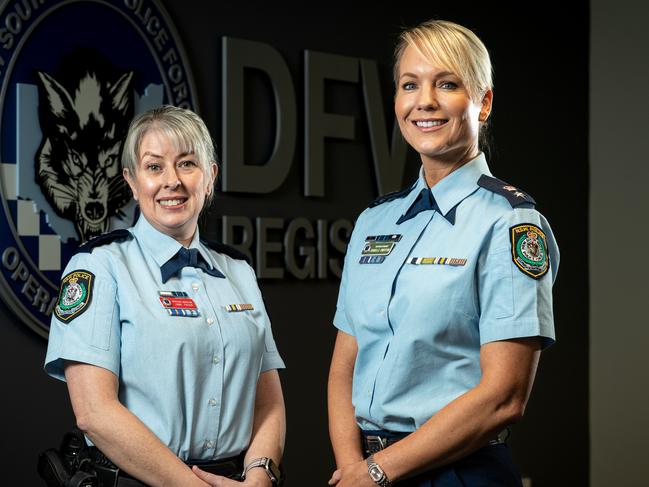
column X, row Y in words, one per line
column 41, row 243
column 65, row 106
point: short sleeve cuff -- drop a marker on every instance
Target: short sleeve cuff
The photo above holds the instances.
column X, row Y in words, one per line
column 493, row 332
column 55, row 365
column 342, row 323
column 272, row 360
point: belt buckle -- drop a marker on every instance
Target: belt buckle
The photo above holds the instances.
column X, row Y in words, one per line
column 500, row 439
column 375, row 443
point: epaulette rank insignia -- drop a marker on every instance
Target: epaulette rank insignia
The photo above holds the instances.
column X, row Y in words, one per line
column 515, row 196
column 391, row 196
column 118, row 235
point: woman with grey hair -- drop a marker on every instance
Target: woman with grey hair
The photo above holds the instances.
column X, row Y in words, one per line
column 438, row 355
column 163, row 338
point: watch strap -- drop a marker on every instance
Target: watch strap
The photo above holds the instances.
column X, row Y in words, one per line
column 273, row 471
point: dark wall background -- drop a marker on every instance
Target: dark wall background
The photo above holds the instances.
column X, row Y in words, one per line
column 618, row 200
column 540, row 57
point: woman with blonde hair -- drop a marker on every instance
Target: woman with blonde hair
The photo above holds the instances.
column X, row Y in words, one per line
column 446, row 297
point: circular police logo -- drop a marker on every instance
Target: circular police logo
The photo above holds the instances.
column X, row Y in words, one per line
column 73, row 73
column 73, row 295
column 530, row 250
column 76, row 293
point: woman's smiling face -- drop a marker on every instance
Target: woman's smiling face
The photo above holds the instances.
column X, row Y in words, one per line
column 436, row 114
column 169, row 186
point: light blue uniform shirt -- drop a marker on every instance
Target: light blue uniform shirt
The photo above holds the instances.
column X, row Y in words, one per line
column 418, row 321
column 191, row 380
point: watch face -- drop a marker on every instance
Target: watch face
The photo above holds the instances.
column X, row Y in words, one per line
column 274, row 470
column 375, row 473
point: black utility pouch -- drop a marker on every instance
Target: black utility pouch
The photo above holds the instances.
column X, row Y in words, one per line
column 67, row 466
column 83, row 479
column 51, row 468
column 73, row 450
column 107, row 472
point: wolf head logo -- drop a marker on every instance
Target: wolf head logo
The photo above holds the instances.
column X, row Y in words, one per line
column 78, row 162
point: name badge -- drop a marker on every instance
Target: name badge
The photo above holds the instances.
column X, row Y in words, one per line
column 374, row 259
column 178, row 303
column 377, row 247
column 395, row 237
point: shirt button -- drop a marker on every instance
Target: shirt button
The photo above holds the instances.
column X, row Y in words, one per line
column 215, row 360
column 208, row 444
column 210, row 321
column 212, row 402
column 195, row 286
column 382, row 313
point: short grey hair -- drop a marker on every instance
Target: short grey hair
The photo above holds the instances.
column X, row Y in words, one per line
column 184, row 128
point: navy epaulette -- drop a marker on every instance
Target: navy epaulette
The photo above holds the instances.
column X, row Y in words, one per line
column 391, row 196
column 515, row 196
column 222, row 248
column 104, row 239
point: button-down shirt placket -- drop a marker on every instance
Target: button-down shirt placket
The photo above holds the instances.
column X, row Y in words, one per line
column 411, row 231
column 210, row 396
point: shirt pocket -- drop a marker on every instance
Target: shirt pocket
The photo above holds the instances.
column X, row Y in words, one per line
column 501, row 281
column 103, row 309
column 243, row 332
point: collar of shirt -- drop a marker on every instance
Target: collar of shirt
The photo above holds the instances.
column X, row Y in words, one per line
column 452, row 189
column 162, row 247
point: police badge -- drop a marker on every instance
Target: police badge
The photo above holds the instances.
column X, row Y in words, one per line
column 530, row 250
column 65, row 104
column 75, row 295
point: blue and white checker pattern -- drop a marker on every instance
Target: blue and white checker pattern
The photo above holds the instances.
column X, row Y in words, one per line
column 40, row 241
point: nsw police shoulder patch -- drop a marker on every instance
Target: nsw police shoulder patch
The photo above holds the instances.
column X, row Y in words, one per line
column 530, row 250
column 75, row 295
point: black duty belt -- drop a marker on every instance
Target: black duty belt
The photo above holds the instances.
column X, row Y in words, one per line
column 227, row 467
column 108, row 473
column 379, row 440
column 375, row 441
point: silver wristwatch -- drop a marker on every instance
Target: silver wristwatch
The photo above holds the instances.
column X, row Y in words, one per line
column 376, row 473
column 272, row 470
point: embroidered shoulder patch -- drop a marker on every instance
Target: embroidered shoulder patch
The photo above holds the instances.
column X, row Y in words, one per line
column 530, row 250
column 75, row 295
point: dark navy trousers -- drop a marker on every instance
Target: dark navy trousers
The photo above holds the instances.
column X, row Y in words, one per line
column 491, row 466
